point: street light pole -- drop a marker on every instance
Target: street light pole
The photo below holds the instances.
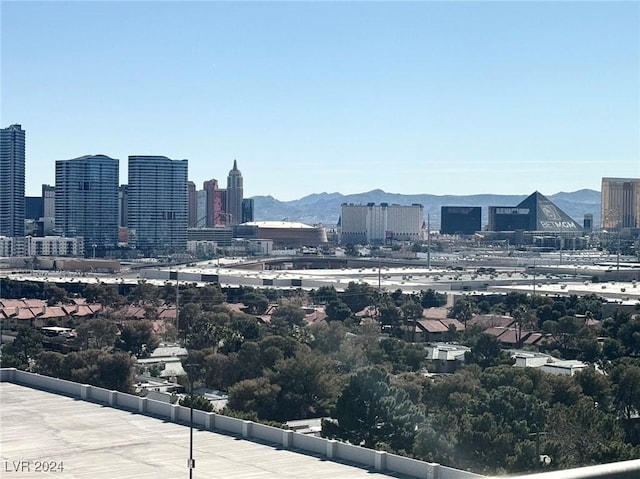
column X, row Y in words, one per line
column 191, row 464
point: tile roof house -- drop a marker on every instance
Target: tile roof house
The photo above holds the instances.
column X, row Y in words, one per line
column 435, row 330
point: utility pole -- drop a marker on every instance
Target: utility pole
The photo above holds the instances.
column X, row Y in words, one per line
column 177, row 302
column 428, row 243
column 618, row 259
column 561, row 240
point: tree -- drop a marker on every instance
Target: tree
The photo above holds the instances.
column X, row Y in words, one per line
column 337, row 310
column 23, row 351
column 372, row 412
column 625, row 377
column 390, row 317
column 564, row 331
column 105, row 294
column 629, row 335
column 524, row 318
column 286, row 316
column 612, row 349
column 325, row 295
column 138, row 337
column 583, row 435
column 48, row 363
column 96, row 334
column 595, row 385
column 309, row 384
column 91, row 366
column 499, row 428
column 248, row 326
column 463, row 310
column 199, row 402
column 143, row 293
column 211, row 295
column 259, row 395
column 204, row 333
column 55, row 294
column 357, row 296
column 256, row 303
column 431, row 299
column 486, row 351
column 411, row 313
column 327, row 337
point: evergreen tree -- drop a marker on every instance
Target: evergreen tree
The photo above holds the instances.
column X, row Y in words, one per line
column 373, row 413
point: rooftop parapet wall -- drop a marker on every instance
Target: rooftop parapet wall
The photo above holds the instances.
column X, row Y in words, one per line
column 332, row 450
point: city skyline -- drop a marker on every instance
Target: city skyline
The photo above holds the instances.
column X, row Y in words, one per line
column 419, row 97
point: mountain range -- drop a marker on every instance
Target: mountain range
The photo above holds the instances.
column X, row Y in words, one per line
column 324, row 208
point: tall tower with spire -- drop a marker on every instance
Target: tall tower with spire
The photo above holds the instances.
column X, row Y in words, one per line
column 234, row 195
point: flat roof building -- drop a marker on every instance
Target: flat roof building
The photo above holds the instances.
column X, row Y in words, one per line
column 12, row 161
column 283, row 233
column 158, row 204
column 461, row 220
column 383, row 223
column 86, row 200
column 620, row 203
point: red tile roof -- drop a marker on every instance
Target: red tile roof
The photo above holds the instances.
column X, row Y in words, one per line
column 491, row 321
column 432, row 326
column 435, row 313
column 450, row 321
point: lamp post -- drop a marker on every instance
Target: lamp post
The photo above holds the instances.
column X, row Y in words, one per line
column 191, row 464
column 542, row 459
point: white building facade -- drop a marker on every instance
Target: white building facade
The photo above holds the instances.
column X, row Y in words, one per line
column 41, row 246
column 383, row 223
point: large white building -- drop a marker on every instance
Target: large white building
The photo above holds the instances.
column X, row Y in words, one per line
column 381, row 223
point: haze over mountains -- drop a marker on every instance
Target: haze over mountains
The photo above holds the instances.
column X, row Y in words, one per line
column 324, row 208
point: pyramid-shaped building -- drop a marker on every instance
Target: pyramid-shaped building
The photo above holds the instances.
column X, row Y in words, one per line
column 534, row 213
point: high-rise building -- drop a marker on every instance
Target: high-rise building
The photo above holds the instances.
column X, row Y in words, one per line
column 216, row 204
column 381, row 223
column 247, row 210
column 87, row 200
column 620, row 203
column 33, row 208
column 123, row 206
column 12, row 201
column 460, row 220
column 234, row 195
column 49, row 201
column 158, row 204
column 201, row 198
column 193, row 204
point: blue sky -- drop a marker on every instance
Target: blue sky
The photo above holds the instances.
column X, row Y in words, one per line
column 409, row 97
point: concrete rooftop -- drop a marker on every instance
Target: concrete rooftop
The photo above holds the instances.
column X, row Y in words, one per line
column 95, row 441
